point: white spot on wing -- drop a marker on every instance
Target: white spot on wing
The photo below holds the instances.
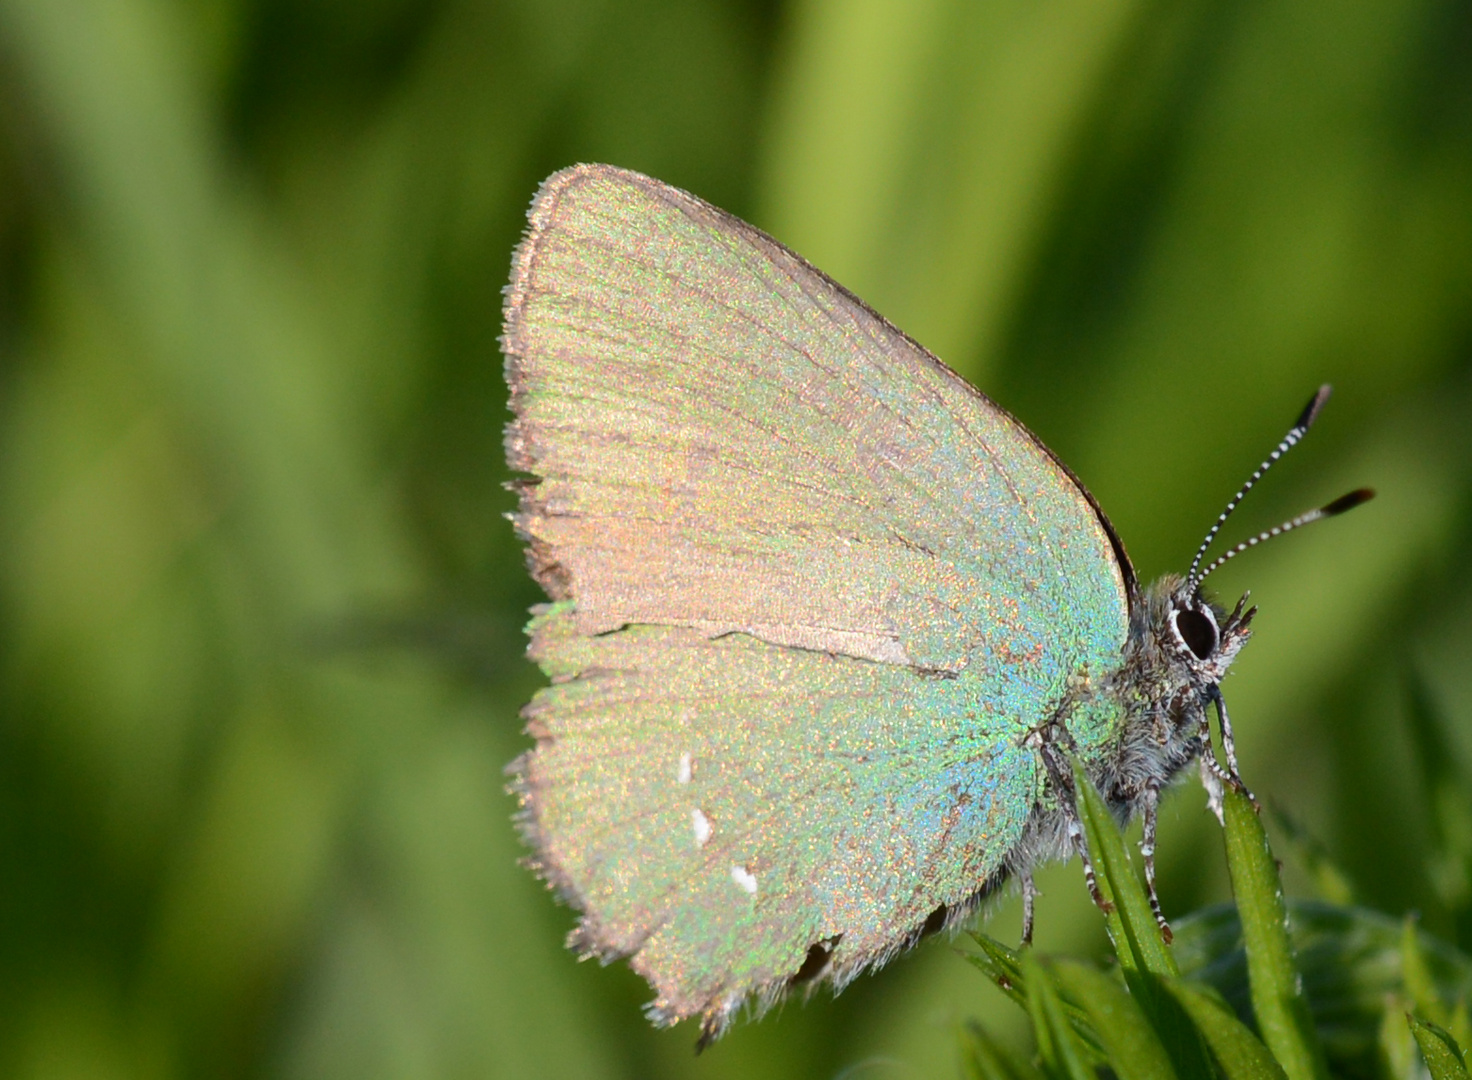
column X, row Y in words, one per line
column 701, row 824
column 745, row 878
column 686, row 770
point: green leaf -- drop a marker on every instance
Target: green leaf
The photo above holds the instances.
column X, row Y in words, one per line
column 1130, row 1045
column 1351, row 961
column 1444, row 1059
column 1001, row 965
column 1004, row 967
column 1062, row 1054
column 1144, row 957
column 1132, row 928
column 1277, row 992
column 983, row 1058
column 1239, row 1054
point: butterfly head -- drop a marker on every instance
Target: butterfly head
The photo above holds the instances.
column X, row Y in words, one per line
column 1183, row 645
column 1200, row 636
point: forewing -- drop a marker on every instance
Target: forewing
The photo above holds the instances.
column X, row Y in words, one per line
column 724, row 439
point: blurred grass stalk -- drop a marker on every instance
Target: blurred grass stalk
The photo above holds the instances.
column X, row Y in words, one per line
column 236, row 380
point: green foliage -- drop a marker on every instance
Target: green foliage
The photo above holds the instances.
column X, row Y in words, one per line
column 1444, row 1058
column 1448, row 809
column 1127, row 1039
column 1278, row 1002
column 1237, row 1051
column 1137, row 941
column 260, row 615
column 1339, row 1011
column 1060, row 1050
column 1145, row 959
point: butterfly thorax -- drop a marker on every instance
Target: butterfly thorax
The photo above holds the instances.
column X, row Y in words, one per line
column 1151, row 711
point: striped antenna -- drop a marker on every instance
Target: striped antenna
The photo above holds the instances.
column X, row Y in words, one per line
column 1300, row 428
column 1338, row 506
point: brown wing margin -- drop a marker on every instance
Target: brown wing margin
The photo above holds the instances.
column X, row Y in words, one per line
column 521, row 268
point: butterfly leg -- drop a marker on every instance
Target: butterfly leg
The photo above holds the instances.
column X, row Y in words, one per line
column 1063, row 785
column 1029, row 895
column 1212, row 782
column 1229, row 744
column 1209, row 762
column 1147, row 852
column 1076, row 834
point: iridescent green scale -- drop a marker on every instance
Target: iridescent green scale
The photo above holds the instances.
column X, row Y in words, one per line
column 811, row 594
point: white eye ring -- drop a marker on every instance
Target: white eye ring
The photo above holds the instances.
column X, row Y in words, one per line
column 1195, row 631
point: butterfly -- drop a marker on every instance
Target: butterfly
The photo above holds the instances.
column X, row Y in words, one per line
column 826, row 624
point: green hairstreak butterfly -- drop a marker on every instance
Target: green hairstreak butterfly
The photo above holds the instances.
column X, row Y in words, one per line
column 825, row 621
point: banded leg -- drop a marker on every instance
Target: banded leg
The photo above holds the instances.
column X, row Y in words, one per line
column 1029, row 898
column 1076, row 834
column 1063, row 785
column 1147, row 852
column 1229, row 744
column 1212, row 782
column 1209, row 760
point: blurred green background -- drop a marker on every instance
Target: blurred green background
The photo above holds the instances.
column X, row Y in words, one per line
column 260, row 646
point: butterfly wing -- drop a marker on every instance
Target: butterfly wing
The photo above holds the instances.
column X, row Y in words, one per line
column 810, row 591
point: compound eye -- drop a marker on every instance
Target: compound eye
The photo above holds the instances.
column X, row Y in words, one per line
column 1197, row 630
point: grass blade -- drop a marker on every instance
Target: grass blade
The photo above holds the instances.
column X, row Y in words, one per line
column 1132, row 929
column 1239, row 1054
column 1143, row 955
column 1277, row 992
column 1444, row 1059
column 1063, row 1056
column 983, row 1058
column 1001, row 965
column 1129, row 1043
